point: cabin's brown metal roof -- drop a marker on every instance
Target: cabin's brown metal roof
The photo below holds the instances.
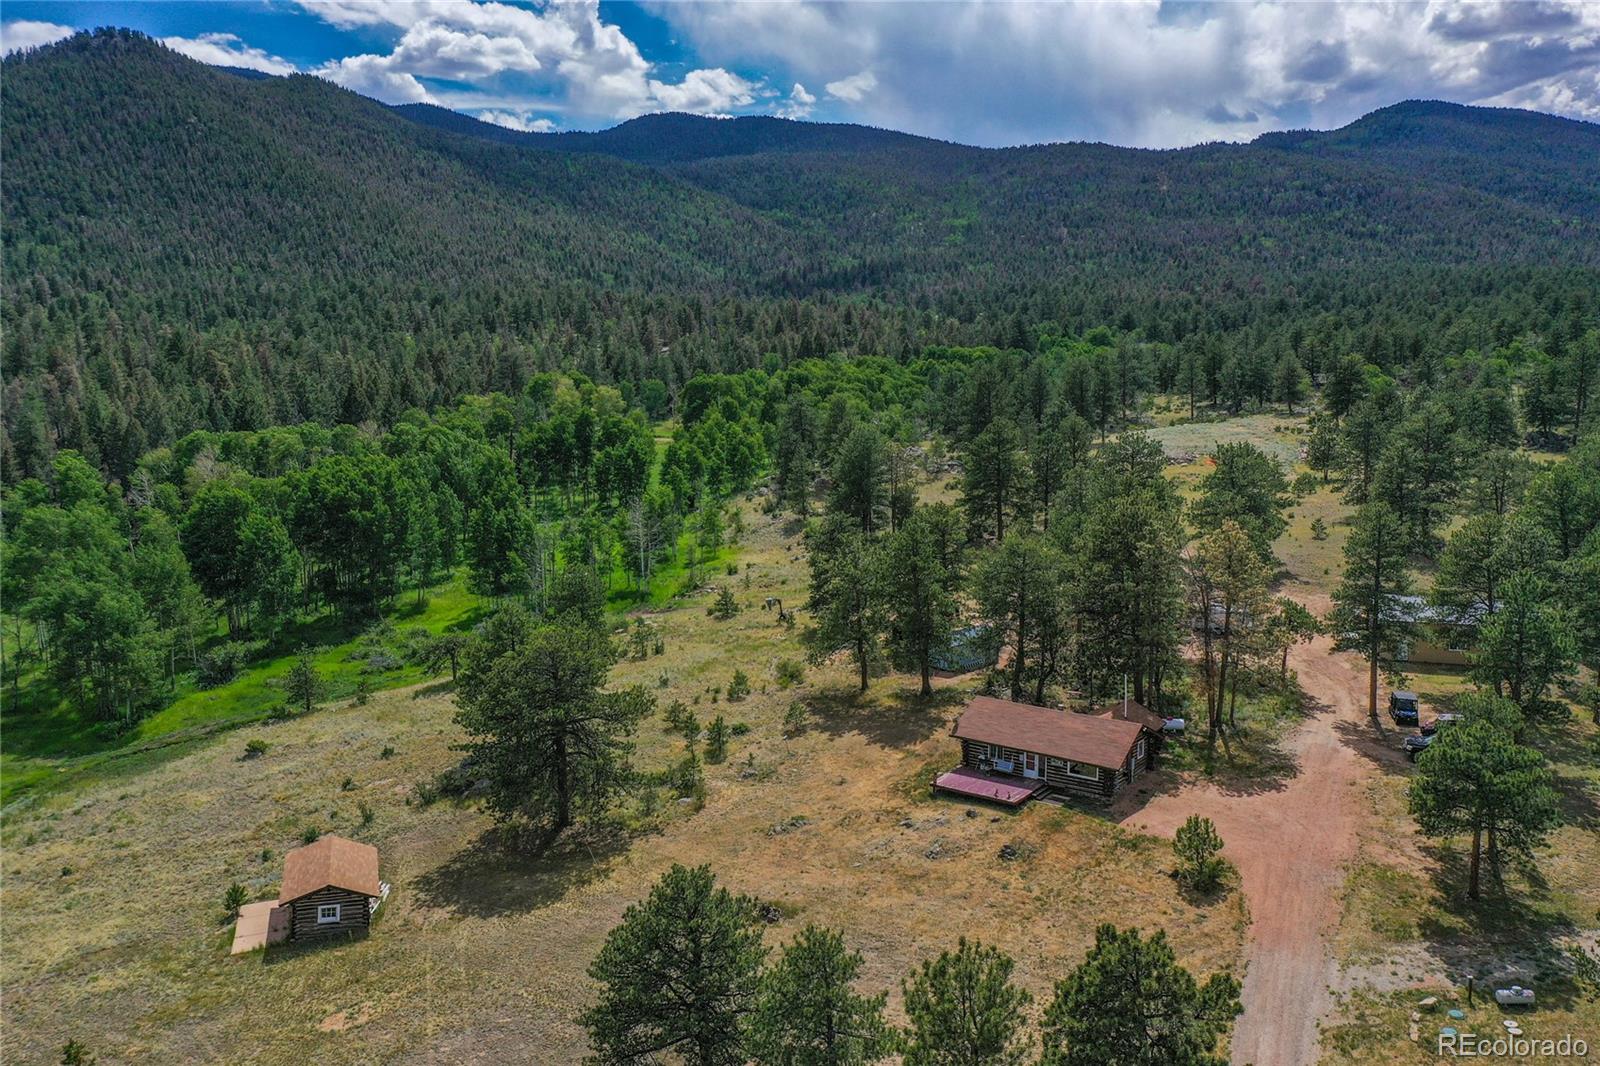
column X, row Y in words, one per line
column 331, row 861
column 1133, row 711
column 1085, row 738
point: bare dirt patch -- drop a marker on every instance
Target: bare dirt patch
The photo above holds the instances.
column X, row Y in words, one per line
column 1290, row 845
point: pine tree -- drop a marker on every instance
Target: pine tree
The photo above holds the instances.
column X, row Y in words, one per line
column 964, row 1010
column 808, row 1014
column 1131, row 1004
column 678, row 975
column 1369, row 613
column 1475, row 779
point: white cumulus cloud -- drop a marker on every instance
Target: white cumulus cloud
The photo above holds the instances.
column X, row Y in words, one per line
column 21, row 34
column 799, row 105
column 854, row 88
column 556, row 57
column 227, row 50
column 515, row 120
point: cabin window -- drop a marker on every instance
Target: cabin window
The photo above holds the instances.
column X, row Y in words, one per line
column 1138, row 752
column 327, row 913
column 1078, row 769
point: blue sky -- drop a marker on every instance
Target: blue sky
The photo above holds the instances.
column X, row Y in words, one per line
column 1150, row 73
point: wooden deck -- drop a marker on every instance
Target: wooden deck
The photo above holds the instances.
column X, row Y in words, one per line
column 992, row 788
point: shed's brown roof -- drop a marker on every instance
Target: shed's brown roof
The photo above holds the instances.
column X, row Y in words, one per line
column 334, row 861
column 1083, row 738
column 1133, row 711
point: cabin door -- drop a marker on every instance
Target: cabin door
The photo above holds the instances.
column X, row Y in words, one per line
column 1030, row 764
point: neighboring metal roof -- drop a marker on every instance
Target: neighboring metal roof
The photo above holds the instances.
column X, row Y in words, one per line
column 331, row 861
column 1085, row 738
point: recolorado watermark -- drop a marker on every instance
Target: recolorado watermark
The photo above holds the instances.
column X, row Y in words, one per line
column 1507, row 1046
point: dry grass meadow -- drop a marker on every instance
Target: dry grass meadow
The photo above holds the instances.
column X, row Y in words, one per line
column 113, row 923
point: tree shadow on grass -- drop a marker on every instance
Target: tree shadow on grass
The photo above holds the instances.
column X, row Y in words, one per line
column 900, row 719
column 1513, row 934
column 497, row 875
column 436, row 688
column 1375, row 743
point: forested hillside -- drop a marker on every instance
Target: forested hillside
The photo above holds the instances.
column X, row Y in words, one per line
column 187, row 249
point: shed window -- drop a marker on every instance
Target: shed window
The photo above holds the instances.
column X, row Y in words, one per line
column 327, row 913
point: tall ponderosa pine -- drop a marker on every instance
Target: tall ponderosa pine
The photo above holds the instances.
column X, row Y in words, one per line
column 538, row 725
column 858, row 479
column 846, row 603
column 993, row 486
column 919, row 595
column 1475, row 779
column 1527, row 645
column 678, row 976
column 1370, row 613
column 1245, row 486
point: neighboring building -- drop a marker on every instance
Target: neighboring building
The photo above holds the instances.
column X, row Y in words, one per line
column 330, row 886
column 970, row 649
column 1443, row 636
column 1011, row 752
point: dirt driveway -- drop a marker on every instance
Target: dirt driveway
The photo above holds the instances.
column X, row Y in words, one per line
column 1290, row 844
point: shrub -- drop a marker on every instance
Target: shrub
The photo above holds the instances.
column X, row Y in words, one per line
column 790, row 672
column 310, row 834
column 347, row 785
column 76, row 1053
column 222, row 664
column 387, row 752
column 254, row 748
column 725, row 607
column 1305, row 484
column 717, row 740
column 363, row 690
column 235, row 898
column 1319, row 530
column 739, row 729
column 1197, row 845
column 739, row 687
column 794, row 719
column 366, row 813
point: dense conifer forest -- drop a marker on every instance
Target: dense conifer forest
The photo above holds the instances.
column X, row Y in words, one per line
column 188, row 249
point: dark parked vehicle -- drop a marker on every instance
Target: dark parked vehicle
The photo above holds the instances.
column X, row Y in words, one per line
column 1416, row 744
column 1403, row 707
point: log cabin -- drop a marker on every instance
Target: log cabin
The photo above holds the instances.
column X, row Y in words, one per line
column 1013, row 752
column 330, row 886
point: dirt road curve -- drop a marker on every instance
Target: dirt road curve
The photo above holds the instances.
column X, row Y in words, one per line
column 1290, row 844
